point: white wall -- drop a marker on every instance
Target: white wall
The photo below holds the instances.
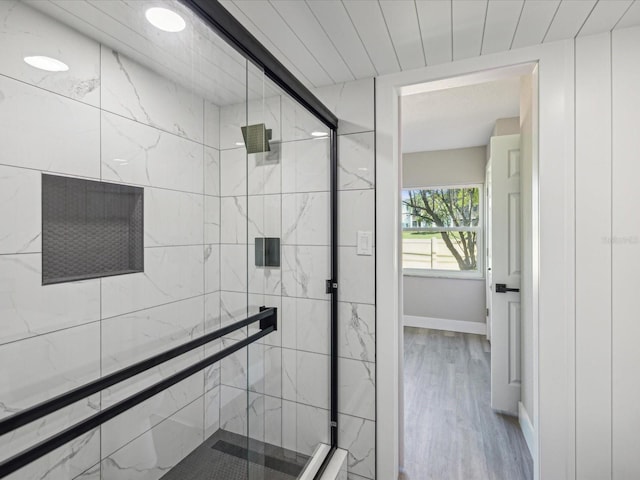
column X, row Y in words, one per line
column 435, row 297
column 607, row 255
column 446, row 298
column 443, row 167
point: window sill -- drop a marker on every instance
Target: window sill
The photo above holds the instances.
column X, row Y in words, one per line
column 412, row 272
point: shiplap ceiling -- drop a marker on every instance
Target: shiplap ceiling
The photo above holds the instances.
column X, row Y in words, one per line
column 330, row 41
column 457, row 117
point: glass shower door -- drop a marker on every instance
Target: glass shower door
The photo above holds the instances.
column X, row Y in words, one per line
column 289, row 260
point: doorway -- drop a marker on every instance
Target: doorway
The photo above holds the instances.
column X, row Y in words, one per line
column 461, row 200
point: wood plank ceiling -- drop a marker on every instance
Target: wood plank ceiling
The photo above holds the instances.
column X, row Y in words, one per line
column 332, row 41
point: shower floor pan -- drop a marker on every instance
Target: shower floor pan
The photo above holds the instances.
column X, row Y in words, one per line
column 228, row 456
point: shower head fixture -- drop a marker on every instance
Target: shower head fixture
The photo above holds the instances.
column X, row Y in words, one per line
column 256, row 138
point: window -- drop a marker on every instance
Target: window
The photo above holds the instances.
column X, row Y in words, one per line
column 442, row 231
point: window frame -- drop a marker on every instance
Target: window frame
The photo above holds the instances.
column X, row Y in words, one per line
column 477, row 274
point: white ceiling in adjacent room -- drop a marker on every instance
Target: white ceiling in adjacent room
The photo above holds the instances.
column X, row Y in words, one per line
column 330, row 41
column 457, row 117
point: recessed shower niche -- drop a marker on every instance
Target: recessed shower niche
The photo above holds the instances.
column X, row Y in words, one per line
column 90, row 229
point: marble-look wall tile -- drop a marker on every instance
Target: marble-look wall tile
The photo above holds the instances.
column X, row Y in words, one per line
column 211, row 268
column 233, row 117
column 233, row 268
column 171, row 273
column 356, row 276
column 143, row 417
column 152, row 454
column 305, row 377
column 51, row 368
column 356, row 161
column 264, row 216
column 173, row 218
column 142, row 155
column 92, row 473
column 305, row 270
column 233, row 172
column 211, row 411
column 211, row 124
column 352, row 102
column 212, row 320
column 233, row 409
column 297, row 122
column 304, row 427
column 135, row 92
column 233, row 307
column 233, row 369
column 33, row 135
column 233, row 220
column 28, row 308
column 263, row 280
column 20, row 210
column 211, row 219
column 358, row 437
column 265, row 418
column 132, row 337
column 357, row 388
column 357, row 331
column 265, row 369
column 53, row 39
column 69, row 461
column 357, row 214
column 306, row 219
column 211, row 171
column 264, row 171
column 306, row 324
column 305, row 166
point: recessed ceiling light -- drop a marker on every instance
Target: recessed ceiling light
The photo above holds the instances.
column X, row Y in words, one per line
column 240, row 144
column 46, row 63
column 319, row 134
column 121, row 161
column 166, row 20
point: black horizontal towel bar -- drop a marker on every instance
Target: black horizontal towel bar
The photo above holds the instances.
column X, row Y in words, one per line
column 268, row 324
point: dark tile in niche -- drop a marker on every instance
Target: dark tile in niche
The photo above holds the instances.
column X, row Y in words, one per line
column 90, row 229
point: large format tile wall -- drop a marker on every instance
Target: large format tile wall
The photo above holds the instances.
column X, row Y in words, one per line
column 109, row 119
column 284, row 194
column 353, row 103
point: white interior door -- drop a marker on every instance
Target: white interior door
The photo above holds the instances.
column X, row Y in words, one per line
column 505, row 273
column 487, row 242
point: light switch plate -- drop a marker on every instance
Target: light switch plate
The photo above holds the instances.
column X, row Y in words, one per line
column 364, row 243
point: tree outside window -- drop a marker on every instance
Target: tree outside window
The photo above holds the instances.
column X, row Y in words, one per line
column 441, row 228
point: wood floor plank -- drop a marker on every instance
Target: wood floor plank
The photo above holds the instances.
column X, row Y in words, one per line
column 450, row 430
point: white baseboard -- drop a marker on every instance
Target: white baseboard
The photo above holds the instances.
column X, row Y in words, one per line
column 527, row 429
column 462, row 326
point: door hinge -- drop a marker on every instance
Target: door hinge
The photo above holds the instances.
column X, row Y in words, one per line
column 331, row 287
column 487, row 312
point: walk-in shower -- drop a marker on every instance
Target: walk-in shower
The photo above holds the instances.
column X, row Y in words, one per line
column 168, row 245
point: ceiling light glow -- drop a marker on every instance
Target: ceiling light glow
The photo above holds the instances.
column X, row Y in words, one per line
column 46, row 63
column 319, row 134
column 165, row 19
